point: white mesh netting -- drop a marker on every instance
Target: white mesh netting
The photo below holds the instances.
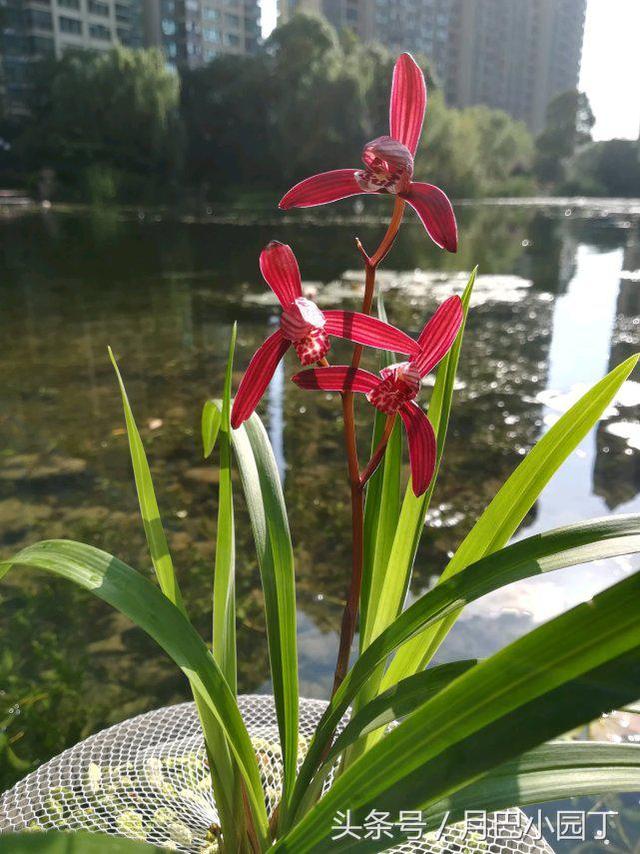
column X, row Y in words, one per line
column 147, row 778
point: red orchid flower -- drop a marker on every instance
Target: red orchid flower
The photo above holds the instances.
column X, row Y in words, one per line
column 307, row 328
column 388, row 163
column 395, row 390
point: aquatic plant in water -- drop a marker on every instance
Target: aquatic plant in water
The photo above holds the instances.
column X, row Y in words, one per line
column 471, row 735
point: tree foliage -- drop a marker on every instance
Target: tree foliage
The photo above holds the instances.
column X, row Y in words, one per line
column 610, row 168
column 569, row 124
column 109, row 116
column 312, row 99
column 119, row 124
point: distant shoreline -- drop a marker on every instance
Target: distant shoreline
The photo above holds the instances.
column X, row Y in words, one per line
column 13, row 206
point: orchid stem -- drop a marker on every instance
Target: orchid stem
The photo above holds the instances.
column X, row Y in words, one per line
column 350, row 614
column 378, row 454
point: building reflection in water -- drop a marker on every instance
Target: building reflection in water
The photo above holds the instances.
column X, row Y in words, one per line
column 594, row 328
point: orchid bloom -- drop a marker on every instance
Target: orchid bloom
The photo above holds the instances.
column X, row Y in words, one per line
column 388, row 164
column 395, row 390
column 305, row 327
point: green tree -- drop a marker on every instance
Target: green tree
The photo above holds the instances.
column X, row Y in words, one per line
column 225, row 111
column 107, row 122
column 569, row 124
column 610, row 168
column 317, row 117
column 474, row 152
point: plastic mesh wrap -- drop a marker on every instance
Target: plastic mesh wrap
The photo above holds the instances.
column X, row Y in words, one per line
column 147, row 778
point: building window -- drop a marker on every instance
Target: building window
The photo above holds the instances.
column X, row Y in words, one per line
column 168, row 27
column 192, row 5
column 97, row 31
column 69, row 4
column 123, row 13
column 210, row 14
column 232, row 21
column 211, row 34
column 41, row 20
column 70, row 25
column 231, row 40
column 98, row 8
column 40, row 45
column 210, row 54
column 172, row 49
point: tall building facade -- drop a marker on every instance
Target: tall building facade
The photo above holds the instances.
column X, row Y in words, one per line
column 193, row 32
column 189, row 32
column 32, row 29
column 515, row 55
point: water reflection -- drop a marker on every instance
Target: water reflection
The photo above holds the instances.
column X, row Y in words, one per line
column 556, row 306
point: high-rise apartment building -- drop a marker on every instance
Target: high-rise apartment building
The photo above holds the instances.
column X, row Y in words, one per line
column 193, row 32
column 190, row 33
column 32, row 29
column 517, row 55
column 514, row 55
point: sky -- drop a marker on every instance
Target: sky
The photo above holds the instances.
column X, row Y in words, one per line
column 610, row 72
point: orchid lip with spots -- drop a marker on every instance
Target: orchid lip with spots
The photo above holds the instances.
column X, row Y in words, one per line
column 306, row 328
column 397, row 386
column 389, row 164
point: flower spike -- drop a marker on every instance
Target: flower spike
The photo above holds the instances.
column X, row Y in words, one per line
column 397, row 386
column 389, row 162
column 306, row 328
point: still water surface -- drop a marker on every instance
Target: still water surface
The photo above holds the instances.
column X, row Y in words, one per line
column 556, row 307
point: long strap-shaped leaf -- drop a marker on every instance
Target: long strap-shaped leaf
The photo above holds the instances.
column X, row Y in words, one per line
column 224, row 586
column 560, row 675
column 149, row 510
column 223, row 774
column 560, row 769
column 265, row 501
column 129, row 592
column 500, row 520
column 391, row 581
column 382, row 504
column 59, row 842
column 553, row 550
column 394, row 576
column 398, row 702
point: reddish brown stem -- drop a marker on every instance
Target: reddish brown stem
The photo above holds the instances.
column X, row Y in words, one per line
column 350, row 615
column 378, row 454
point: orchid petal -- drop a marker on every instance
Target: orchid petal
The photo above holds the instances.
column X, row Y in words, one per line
column 438, row 335
column 321, row 189
column 369, row 331
column 257, row 377
column 434, row 209
column 280, row 270
column 337, row 378
column 408, row 102
column 422, row 446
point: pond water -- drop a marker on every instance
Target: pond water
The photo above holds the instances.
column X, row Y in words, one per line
column 556, row 307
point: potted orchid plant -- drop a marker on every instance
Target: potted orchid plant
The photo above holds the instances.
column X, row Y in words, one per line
column 398, row 733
